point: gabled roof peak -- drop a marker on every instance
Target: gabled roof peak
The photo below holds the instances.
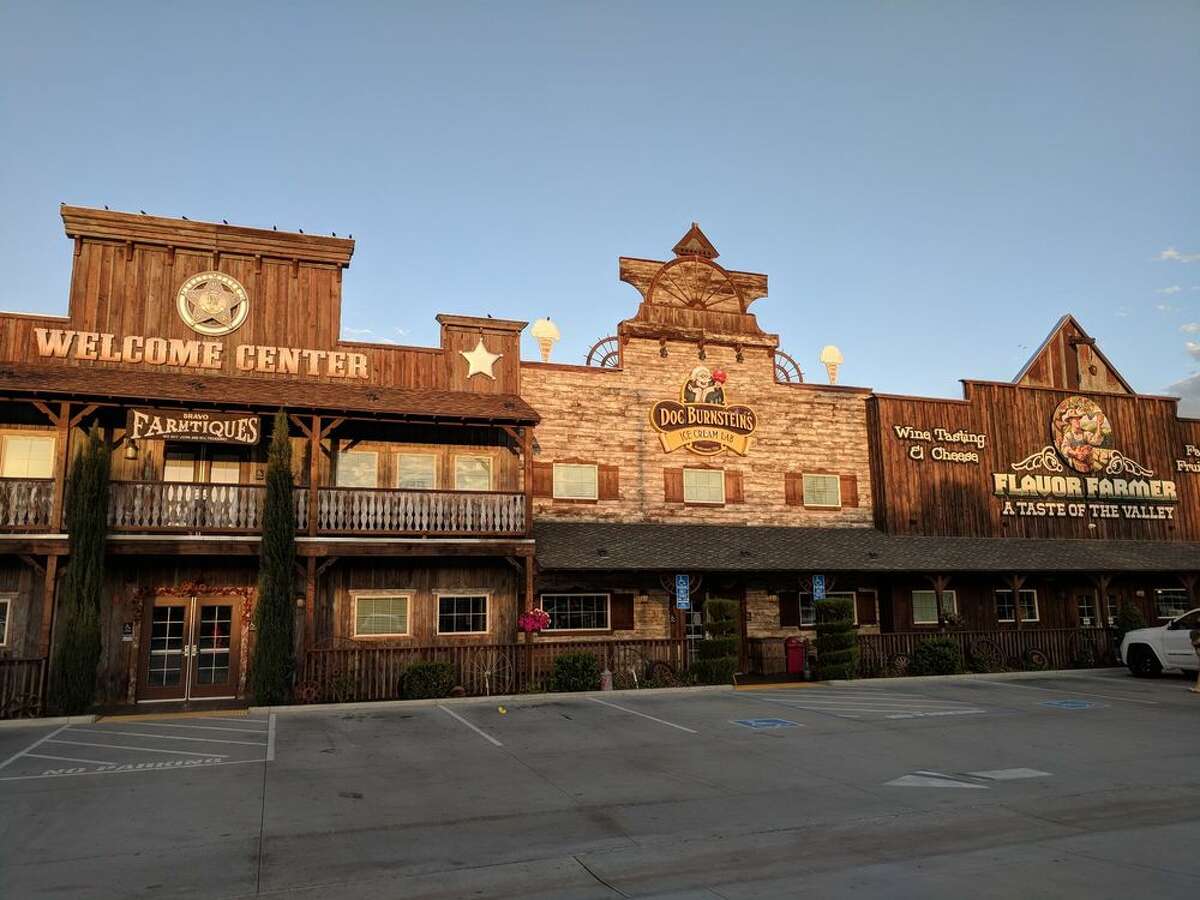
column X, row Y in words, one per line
column 695, row 243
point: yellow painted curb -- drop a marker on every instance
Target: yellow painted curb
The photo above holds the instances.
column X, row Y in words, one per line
column 195, row 714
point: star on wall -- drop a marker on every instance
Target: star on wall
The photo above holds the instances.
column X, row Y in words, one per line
column 212, row 302
column 480, row 361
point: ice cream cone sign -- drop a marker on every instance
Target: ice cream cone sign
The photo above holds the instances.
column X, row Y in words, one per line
column 546, row 334
column 831, row 358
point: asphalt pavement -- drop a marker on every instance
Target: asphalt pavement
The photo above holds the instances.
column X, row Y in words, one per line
column 1060, row 785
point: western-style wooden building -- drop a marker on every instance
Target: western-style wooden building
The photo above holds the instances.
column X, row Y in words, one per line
column 439, row 492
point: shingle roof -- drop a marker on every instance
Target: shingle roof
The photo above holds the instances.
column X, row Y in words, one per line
column 607, row 546
column 261, row 393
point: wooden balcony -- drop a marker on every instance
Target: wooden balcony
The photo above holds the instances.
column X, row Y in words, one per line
column 26, row 504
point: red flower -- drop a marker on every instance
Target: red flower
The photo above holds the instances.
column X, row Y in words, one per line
column 719, row 376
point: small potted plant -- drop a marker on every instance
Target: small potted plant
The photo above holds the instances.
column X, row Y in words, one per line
column 532, row 621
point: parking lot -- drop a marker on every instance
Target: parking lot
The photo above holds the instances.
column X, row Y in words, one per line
column 1064, row 784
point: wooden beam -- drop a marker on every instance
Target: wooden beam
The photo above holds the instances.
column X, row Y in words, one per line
column 334, row 423
column 940, row 583
column 45, row 410
column 310, row 604
column 298, row 421
column 314, row 471
column 83, row 414
column 49, row 589
column 61, row 457
column 527, row 450
column 1015, row 583
column 32, row 562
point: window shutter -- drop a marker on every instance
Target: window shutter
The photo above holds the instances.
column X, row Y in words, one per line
column 789, row 609
column 849, row 490
column 733, row 487
column 673, row 485
column 620, row 612
column 793, row 488
column 543, row 479
column 608, row 483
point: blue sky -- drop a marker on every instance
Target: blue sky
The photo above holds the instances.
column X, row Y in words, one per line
column 928, row 185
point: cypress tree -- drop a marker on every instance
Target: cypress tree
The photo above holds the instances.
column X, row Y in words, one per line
column 77, row 653
column 274, row 614
column 837, row 639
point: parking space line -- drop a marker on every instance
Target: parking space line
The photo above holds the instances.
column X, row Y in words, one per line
column 1071, row 690
column 35, row 744
column 168, row 737
column 205, row 727
column 643, row 715
column 138, row 749
column 93, row 762
column 483, row 734
column 271, row 738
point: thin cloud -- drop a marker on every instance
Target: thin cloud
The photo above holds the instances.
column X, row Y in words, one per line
column 1188, row 392
column 1190, row 328
column 1193, row 347
column 346, row 329
column 1166, row 307
column 1173, row 289
column 1173, row 255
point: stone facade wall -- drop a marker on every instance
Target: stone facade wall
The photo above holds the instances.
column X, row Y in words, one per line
column 602, row 416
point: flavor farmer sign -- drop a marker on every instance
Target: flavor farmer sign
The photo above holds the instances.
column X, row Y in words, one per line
column 1082, row 473
column 702, row 420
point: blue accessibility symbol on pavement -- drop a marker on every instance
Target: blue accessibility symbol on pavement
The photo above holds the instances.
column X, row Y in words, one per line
column 766, row 723
column 1071, row 704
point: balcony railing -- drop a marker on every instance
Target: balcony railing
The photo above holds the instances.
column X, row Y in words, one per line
column 26, row 503
column 156, row 506
column 380, row 511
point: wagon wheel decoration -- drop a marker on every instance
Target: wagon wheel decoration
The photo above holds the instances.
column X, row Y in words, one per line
column 493, row 670
column 605, row 353
column 787, row 370
column 898, row 663
column 1036, row 659
column 308, row 692
column 662, row 673
column 695, row 284
column 987, row 655
column 21, row 706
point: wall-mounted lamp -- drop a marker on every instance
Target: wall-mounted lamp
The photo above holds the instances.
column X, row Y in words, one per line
column 131, row 449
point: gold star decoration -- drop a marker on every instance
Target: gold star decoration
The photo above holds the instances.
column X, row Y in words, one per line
column 480, row 361
column 211, row 301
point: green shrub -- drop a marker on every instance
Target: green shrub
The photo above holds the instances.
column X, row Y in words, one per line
column 721, row 618
column 579, row 671
column 1129, row 618
column 716, row 648
column 936, row 656
column 718, row 670
column 837, row 639
column 427, row 680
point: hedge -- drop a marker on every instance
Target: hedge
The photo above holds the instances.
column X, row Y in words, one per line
column 427, row 680
column 837, row 639
column 579, row 671
column 936, row 656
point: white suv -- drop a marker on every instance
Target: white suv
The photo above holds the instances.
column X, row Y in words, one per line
column 1149, row 651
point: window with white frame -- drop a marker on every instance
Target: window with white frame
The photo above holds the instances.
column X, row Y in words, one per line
column 823, row 490
column 462, row 614
column 28, row 456
column 1004, row 605
column 924, row 606
column 808, row 606
column 380, row 615
column 416, row 471
column 576, row 481
column 358, row 469
column 472, row 473
column 1085, row 603
column 1171, row 602
column 576, row 612
column 179, row 465
column 1112, row 604
column 703, row 485
column 225, row 468
column 4, row 607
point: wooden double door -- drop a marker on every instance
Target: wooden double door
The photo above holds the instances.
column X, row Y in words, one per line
column 191, row 649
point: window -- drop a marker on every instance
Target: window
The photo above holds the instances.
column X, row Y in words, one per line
column 1113, row 605
column 1171, row 602
column 924, row 606
column 1086, row 604
column 472, row 473
column 225, row 470
column 28, row 456
column 4, row 604
column 462, row 614
column 808, row 606
column 574, row 481
column 823, row 490
column 576, row 612
column 703, row 486
column 1004, row 606
column 376, row 615
column 416, row 471
column 179, row 466
column 358, row 469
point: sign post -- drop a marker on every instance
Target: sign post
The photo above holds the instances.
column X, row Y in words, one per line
column 683, row 592
column 818, row 587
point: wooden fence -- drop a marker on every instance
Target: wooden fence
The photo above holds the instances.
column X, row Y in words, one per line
column 993, row 651
column 375, row 673
column 21, row 687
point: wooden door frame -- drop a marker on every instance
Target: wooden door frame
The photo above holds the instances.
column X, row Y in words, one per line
column 146, row 693
column 230, row 689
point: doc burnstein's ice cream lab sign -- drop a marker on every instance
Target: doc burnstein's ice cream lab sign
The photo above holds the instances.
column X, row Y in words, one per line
column 1083, row 474
column 702, row 419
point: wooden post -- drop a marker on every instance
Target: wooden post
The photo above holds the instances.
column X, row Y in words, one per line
column 310, row 602
column 1015, row 583
column 62, row 424
column 1102, row 583
column 527, row 450
column 939, row 586
column 314, row 472
column 49, row 589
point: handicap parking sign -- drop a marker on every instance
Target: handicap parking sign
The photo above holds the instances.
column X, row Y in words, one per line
column 1071, row 704
column 765, row 723
column 818, row 587
column 683, row 592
